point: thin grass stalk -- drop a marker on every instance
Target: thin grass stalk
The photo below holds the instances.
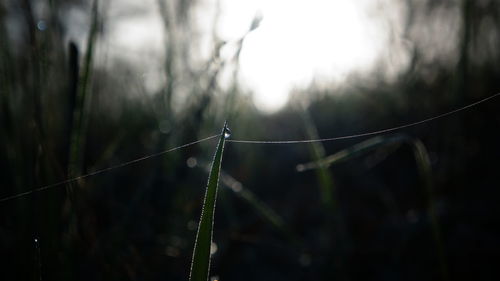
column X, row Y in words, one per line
column 424, row 167
column 170, row 45
column 324, row 176
column 200, row 264
column 82, row 105
column 7, row 128
column 354, row 151
column 334, row 224
column 34, row 57
column 265, row 211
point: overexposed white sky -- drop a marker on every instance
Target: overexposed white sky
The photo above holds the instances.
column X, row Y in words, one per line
column 297, row 41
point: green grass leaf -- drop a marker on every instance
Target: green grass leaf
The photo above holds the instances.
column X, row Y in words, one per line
column 422, row 161
column 200, row 264
column 355, row 151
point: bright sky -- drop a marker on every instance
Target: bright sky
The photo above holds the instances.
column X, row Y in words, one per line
column 298, row 40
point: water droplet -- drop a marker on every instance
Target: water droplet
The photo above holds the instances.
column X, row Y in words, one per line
column 172, row 251
column 412, row 216
column 191, row 162
column 300, row 168
column 213, row 248
column 236, row 187
column 164, row 126
column 227, row 133
column 192, row 225
column 305, row 260
column 41, row 25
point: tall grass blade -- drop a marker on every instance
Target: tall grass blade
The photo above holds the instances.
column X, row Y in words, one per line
column 263, row 209
column 337, row 232
column 424, row 166
column 354, row 151
column 421, row 157
column 200, row 264
column 82, row 104
column 325, row 178
column 260, row 207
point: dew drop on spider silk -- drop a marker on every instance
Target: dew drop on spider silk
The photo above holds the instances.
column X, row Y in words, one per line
column 227, row 133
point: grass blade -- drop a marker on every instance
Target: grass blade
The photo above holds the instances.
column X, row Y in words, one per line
column 339, row 243
column 325, row 178
column 425, row 170
column 200, row 264
column 265, row 211
column 82, row 102
column 421, row 157
column 259, row 206
column 354, row 151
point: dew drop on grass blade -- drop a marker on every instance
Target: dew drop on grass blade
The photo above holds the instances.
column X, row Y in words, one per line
column 200, row 264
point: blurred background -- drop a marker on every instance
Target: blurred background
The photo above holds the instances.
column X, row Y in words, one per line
column 85, row 85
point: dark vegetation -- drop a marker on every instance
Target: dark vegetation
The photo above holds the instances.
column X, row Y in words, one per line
column 419, row 205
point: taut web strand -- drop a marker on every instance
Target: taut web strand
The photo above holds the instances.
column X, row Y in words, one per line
column 104, row 170
column 247, row 142
column 368, row 133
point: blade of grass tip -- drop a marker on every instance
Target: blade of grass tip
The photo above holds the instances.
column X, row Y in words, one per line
column 424, row 167
column 200, row 264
